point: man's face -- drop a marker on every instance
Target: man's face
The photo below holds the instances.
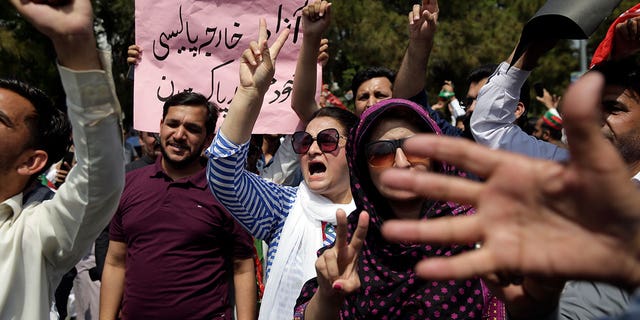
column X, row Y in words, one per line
column 372, row 91
column 150, row 146
column 538, row 131
column 14, row 112
column 183, row 135
column 472, row 93
column 621, row 112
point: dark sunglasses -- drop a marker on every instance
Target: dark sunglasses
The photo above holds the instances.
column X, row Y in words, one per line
column 382, row 153
column 328, row 140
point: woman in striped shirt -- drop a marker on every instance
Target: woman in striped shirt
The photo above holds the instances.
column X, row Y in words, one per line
column 294, row 221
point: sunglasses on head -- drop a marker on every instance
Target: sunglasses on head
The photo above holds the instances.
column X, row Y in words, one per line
column 327, row 139
column 382, row 153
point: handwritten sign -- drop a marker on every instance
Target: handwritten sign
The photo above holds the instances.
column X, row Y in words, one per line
column 196, row 45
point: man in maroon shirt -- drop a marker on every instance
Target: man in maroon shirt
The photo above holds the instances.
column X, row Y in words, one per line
column 182, row 249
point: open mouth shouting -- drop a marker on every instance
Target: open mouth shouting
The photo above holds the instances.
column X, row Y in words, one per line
column 317, row 169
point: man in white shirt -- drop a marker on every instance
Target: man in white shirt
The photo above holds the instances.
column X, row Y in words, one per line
column 492, row 125
column 40, row 241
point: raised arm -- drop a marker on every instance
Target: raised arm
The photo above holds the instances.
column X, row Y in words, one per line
column 492, row 122
column 423, row 20
column 257, row 67
column 257, row 204
column 548, row 216
column 316, row 18
column 69, row 27
column 337, row 270
column 72, row 220
column 410, row 80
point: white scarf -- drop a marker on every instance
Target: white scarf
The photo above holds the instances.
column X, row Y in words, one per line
column 294, row 262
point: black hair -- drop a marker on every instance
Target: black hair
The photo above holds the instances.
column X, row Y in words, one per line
column 346, row 118
column 481, row 72
column 487, row 70
column 370, row 73
column 193, row 99
column 525, row 99
column 49, row 128
column 623, row 72
column 553, row 132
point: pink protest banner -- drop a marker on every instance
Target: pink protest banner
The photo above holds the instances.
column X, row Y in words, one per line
column 196, row 45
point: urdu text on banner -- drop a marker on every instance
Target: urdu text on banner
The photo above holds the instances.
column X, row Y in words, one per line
column 196, row 45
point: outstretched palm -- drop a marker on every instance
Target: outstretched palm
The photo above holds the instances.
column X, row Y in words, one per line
column 569, row 221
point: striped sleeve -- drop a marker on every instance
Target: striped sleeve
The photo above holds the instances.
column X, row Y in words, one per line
column 259, row 205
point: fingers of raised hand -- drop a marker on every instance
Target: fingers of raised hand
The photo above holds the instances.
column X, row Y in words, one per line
column 463, row 266
column 445, row 230
column 135, row 48
column 324, row 44
column 316, row 10
column 262, row 31
column 459, row 152
column 504, row 278
column 629, row 30
column 324, row 8
column 582, row 120
column 347, row 285
column 333, row 268
column 341, row 229
column 251, row 55
column 275, row 48
column 134, row 54
column 321, row 268
column 361, row 232
column 430, row 17
column 327, row 266
column 415, row 14
column 52, row 2
column 430, row 5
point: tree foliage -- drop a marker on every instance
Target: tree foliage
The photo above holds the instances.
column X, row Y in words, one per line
column 363, row 33
column 27, row 55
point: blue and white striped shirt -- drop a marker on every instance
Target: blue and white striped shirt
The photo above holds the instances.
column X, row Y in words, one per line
column 259, row 205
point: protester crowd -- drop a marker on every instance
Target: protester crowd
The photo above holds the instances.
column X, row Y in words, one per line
column 407, row 207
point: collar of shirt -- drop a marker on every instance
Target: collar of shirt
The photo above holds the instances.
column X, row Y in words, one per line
column 197, row 180
column 11, row 208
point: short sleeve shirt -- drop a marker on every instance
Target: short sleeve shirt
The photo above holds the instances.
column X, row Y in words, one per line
column 181, row 244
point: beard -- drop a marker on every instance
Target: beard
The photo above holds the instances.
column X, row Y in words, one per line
column 186, row 162
column 629, row 147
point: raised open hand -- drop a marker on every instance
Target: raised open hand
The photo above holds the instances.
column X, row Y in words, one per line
column 257, row 65
column 579, row 220
column 550, row 101
column 337, row 267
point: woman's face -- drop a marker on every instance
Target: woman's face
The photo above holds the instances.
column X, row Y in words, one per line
column 327, row 173
column 392, row 130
